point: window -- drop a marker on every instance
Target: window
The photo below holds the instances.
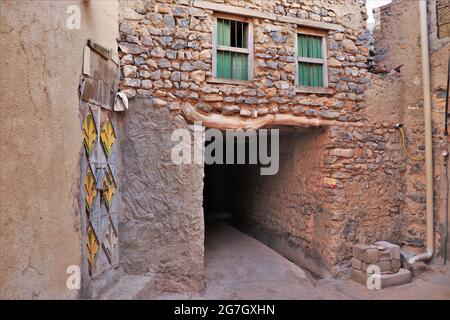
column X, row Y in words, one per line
column 232, row 50
column 312, row 60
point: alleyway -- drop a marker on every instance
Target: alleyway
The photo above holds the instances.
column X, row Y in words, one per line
column 240, row 267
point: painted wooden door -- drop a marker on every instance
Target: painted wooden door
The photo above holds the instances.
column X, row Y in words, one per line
column 100, row 189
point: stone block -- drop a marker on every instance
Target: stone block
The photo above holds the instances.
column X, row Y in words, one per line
column 392, row 248
column 359, row 276
column 344, row 153
column 359, row 250
column 395, row 265
column 356, row 264
column 364, row 266
column 385, row 265
column 371, row 256
column 403, row 276
column 384, row 255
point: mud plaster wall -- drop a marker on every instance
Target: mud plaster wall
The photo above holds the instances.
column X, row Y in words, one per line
column 41, row 141
column 161, row 227
column 403, row 47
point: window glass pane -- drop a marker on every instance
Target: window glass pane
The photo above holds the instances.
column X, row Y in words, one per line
column 232, row 65
column 238, row 34
column 224, row 64
column 223, row 32
column 309, row 46
column 310, row 74
column 219, row 31
column 232, row 33
column 239, row 66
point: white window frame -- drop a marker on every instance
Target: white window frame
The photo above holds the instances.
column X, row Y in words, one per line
column 323, row 61
column 216, row 47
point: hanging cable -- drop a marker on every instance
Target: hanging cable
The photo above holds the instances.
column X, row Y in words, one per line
column 405, row 150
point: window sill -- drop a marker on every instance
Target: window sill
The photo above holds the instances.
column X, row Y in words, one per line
column 314, row 90
column 230, row 81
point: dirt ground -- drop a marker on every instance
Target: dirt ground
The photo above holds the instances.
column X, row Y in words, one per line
column 240, row 267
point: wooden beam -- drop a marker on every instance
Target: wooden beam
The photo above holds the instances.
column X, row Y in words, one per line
column 234, row 10
column 220, row 121
column 311, row 23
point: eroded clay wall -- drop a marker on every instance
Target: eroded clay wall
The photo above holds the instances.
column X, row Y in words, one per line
column 161, row 224
column 41, row 141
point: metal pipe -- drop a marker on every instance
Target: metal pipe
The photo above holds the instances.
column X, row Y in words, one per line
column 446, row 101
column 428, row 134
column 445, row 155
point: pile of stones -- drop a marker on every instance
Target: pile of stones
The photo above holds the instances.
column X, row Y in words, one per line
column 383, row 254
column 381, row 261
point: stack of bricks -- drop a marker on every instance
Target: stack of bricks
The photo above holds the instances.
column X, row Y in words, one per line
column 383, row 254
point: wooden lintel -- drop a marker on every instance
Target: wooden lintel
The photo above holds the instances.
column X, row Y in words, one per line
column 220, row 121
column 234, row 10
column 311, row 23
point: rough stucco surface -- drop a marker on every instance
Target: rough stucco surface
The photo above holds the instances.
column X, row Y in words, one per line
column 41, row 141
column 403, row 47
column 161, row 226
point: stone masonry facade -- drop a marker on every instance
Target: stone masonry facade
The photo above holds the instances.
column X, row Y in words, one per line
column 167, row 49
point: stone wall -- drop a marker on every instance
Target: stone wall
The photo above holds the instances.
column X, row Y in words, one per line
column 403, row 48
column 167, row 50
column 41, row 141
